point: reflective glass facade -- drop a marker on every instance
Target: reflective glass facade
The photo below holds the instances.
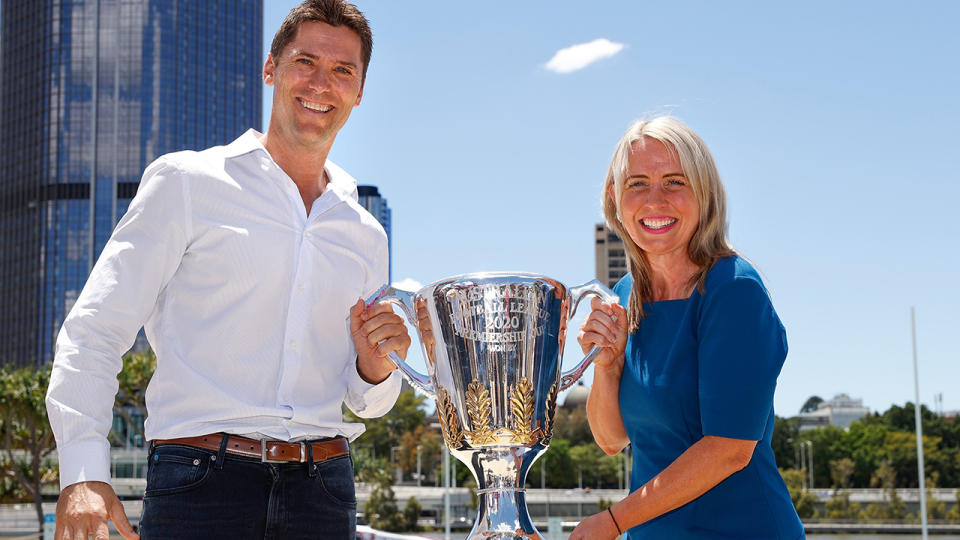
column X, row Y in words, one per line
column 92, row 91
column 369, row 197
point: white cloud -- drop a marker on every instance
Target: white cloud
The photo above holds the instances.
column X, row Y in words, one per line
column 408, row 284
column 582, row 55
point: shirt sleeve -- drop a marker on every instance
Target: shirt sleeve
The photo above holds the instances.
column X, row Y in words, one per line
column 741, row 348
column 365, row 399
column 139, row 259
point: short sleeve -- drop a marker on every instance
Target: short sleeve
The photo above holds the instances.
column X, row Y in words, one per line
column 741, row 348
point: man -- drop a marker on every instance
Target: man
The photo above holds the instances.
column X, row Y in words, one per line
column 246, row 263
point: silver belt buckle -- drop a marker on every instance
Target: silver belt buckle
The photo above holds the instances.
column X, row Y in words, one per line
column 265, row 459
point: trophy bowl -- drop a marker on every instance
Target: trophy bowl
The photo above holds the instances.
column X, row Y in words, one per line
column 493, row 344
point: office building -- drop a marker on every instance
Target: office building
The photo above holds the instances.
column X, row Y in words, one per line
column 611, row 259
column 369, row 197
column 91, row 91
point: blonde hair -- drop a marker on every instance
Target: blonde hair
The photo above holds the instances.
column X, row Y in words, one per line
column 709, row 242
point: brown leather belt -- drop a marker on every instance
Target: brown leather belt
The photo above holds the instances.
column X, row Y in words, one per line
column 266, row 451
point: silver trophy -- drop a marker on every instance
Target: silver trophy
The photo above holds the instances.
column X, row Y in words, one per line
column 493, row 343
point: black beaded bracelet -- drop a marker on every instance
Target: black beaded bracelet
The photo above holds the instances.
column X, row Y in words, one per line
column 615, row 524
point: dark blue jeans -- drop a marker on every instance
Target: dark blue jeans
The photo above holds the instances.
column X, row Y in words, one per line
column 196, row 494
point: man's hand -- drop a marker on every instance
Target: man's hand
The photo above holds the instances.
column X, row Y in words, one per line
column 377, row 331
column 84, row 508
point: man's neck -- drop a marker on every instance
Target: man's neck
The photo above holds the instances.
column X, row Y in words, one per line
column 303, row 164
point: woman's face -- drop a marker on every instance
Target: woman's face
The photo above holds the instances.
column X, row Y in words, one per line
column 657, row 205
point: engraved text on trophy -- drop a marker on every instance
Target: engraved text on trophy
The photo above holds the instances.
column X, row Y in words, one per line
column 500, row 316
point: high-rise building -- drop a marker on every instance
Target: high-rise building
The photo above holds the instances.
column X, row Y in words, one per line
column 611, row 259
column 369, row 197
column 91, row 91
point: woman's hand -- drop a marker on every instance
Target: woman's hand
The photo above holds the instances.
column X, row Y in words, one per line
column 596, row 527
column 605, row 327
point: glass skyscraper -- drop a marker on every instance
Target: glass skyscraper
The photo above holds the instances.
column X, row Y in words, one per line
column 369, row 197
column 91, row 91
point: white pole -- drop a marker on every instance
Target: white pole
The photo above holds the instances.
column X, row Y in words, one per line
column 446, row 493
column 803, row 465
column 418, row 465
column 810, row 456
column 916, row 417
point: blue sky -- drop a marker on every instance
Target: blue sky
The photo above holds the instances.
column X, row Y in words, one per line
column 833, row 125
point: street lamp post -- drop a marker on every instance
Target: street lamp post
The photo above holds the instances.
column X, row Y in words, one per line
column 446, row 493
column 810, row 457
column 803, row 465
column 418, row 465
column 399, row 472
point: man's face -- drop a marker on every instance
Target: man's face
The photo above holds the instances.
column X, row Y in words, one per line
column 317, row 80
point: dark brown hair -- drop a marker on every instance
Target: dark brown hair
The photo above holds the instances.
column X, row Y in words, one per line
column 332, row 12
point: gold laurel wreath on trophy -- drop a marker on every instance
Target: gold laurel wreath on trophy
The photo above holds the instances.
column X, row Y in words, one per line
column 479, row 410
column 546, row 430
column 449, row 423
column 521, row 409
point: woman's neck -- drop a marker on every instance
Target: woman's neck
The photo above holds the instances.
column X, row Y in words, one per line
column 671, row 276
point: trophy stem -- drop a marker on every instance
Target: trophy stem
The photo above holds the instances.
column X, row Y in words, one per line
column 501, row 506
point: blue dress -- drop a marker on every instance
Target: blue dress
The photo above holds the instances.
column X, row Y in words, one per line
column 708, row 365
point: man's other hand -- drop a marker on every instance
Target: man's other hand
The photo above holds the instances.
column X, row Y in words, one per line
column 85, row 507
column 377, row 331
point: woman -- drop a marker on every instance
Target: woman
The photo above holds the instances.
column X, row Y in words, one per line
column 686, row 373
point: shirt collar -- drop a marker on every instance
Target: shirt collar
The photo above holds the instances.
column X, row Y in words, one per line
column 339, row 180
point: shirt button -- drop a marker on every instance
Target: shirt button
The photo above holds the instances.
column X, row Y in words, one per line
column 300, row 288
column 293, row 344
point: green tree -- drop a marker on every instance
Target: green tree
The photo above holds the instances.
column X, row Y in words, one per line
column 27, row 438
column 829, row 443
column 786, row 434
column 892, row 507
column 130, row 404
column 802, row 501
column 471, row 485
column 431, row 448
column 947, row 460
column 411, row 514
column 840, row 507
column 560, row 470
column 900, row 449
column 380, row 509
column 10, row 490
column 811, row 404
column 935, row 509
column 954, row 513
column 572, row 424
column 608, row 468
column 840, row 472
column 865, row 441
column 385, row 432
column 586, row 460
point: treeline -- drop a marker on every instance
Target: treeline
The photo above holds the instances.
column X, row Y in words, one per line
column 877, row 451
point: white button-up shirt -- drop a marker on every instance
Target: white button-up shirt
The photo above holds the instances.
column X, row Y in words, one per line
column 244, row 298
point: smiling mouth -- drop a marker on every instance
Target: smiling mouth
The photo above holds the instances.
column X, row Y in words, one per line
column 316, row 107
column 658, row 223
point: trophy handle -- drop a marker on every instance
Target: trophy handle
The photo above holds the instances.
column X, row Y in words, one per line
column 590, row 288
column 404, row 299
